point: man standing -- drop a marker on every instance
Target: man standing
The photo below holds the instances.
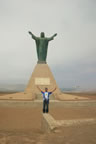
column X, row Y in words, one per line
column 46, row 95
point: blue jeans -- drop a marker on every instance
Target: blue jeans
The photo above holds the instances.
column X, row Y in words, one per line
column 45, row 106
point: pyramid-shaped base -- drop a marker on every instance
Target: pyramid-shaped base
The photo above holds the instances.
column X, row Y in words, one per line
column 42, row 77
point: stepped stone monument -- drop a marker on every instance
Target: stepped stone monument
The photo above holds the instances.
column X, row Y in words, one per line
column 42, row 75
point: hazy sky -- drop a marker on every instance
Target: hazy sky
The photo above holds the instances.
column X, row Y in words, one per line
column 72, row 54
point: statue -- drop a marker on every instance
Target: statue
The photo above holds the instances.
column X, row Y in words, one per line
column 42, row 46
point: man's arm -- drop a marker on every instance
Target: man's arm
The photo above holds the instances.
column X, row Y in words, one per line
column 39, row 89
column 52, row 37
column 53, row 90
column 33, row 36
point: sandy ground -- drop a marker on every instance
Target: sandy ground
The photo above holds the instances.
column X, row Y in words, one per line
column 17, row 96
column 30, row 118
column 20, row 118
column 61, row 113
column 85, row 134
column 22, row 125
column 91, row 95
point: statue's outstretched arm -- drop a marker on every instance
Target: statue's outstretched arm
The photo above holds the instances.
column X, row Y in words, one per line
column 33, row 36
column 52, row 37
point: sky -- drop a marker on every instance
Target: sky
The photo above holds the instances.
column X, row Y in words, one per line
column 71, row 55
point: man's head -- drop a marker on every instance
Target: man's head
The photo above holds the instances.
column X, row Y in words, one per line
column 46, row 89
column 42, row 34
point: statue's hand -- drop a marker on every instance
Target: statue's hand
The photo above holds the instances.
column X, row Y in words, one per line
column 55, row 34
column 30, row 32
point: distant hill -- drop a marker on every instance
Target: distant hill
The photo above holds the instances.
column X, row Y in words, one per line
column 12, row 87
column 77, row 90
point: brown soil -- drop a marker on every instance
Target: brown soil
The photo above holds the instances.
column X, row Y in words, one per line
column 61, row 113
column 20, row 118
column 30, row 118
column 83, row 134
column 20, row 125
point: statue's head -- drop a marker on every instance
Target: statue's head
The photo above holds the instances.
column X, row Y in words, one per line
column 42, row 34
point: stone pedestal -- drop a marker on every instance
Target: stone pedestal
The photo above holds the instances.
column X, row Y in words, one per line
column 43, row 77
